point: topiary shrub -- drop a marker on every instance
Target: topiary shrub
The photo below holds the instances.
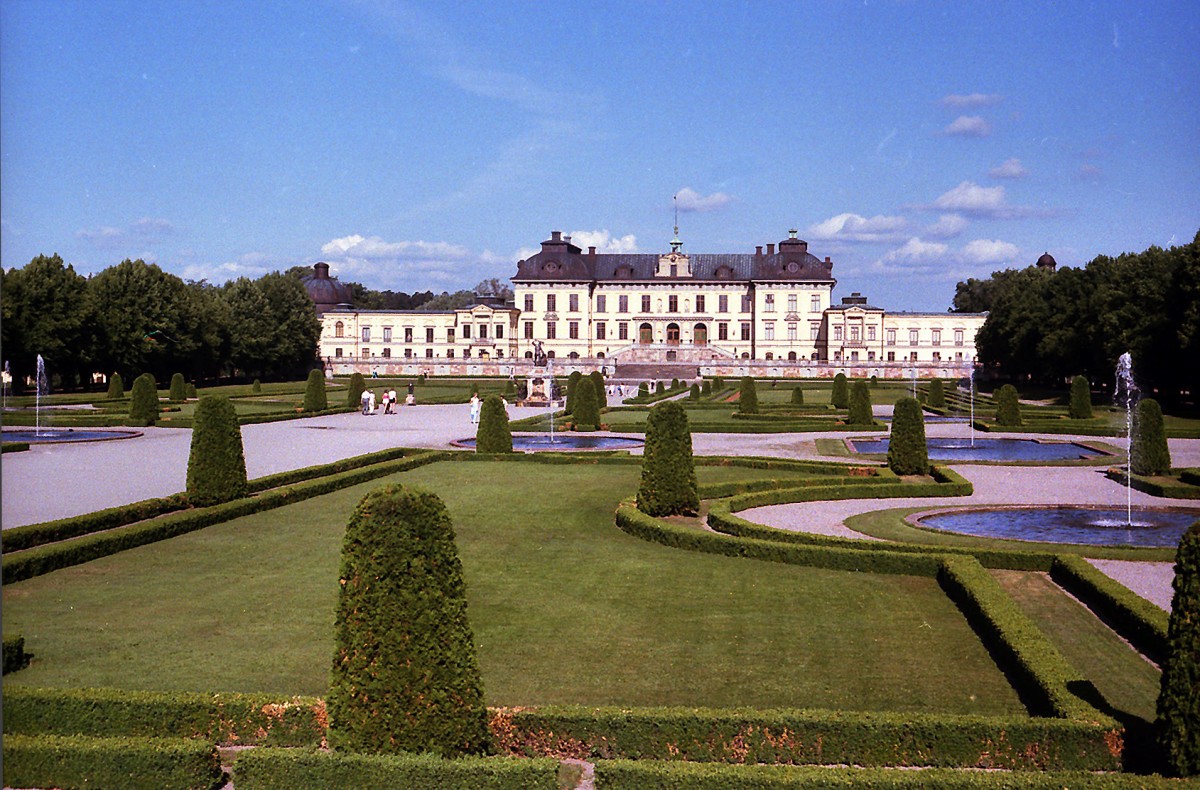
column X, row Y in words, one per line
column 178, row 392
column 907, row 453
column 1008, row 409
column 405, row 677
column 797, row 396
column 1080, row 407
column 116, row 387
column 860, row 405
column 748, row 397
column 694, row 391
column 355, row 388
column 143, row 401
column 706, row 387
column 587, row 409
column 643, row 390
column 668, row 486
column 937, row 394
column 572, row 390
column 674, row 384
column 191, row 391
column 493, row 434
column 874, row 381
column 315, row 398
column 1148, row 451
column 601, row 390
column 216, row 469
column 840, row 397
column 659, row 387
column 1178, row 721
column 718, row 382
column 256, row 388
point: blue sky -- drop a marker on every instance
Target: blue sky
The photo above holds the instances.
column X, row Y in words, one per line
column 429, row 145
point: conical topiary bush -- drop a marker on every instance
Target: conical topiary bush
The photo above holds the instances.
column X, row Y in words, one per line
column 116, row 387
column 178, row 392
column 1178, row 721
column 587, row 410
column 315, row 398
column 1080, row 407
column 493, row 434
column 216, row 464
column 840, row 396
column 143, row 401
column 907, row 453
column 405, row 677
column 668, row 485
column 354, row 390
column 860, row 405
column 748, row 397
column 1148, row 451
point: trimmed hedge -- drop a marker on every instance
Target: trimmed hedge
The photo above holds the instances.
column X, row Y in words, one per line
column 860, row 405
column 1178, row 719
column 1156, row 487
column 1008, row 406
column 802, row 737
column 130, row 763
column 840, row 395
column 277, row 769
column 178, row 390
column 908, row 453
column 143, row 401
column 247, row 719
column 493, row 434
column 1149, row 454
column 668, row 480
column 747, row 397
column 1080, row 407
column 116, row 387
column 642, row 775
column 216, row 470
column 15, row 657
column 315, row 397
column 36, row 561
column 1126, row 612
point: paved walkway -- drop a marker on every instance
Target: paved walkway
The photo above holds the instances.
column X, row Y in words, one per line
column 60, row 480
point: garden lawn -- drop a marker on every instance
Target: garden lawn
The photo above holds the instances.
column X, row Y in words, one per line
column 565, row 609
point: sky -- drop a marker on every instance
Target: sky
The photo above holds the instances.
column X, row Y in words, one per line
column 429, row 146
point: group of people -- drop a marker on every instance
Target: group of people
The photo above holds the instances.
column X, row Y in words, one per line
column 477, row 406
column 389, row 400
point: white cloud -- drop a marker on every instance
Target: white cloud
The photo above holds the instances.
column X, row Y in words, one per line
column 947, row 227
column 988, row 251
column 1011, row 168
column 689, row 200
column 375, row 248
column 603, row 241
column 916, row 251
column 141, row 231
column 854, row 227
column 968, row 100
column 970, row 198
column 968, row 126
column 405, row 265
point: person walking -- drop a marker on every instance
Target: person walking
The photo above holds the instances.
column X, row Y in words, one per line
column 366, row 399
column 475, row 408
column 392, row 402
column 371, row 402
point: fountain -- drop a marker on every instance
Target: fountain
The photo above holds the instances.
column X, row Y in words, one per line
column 971, row 423
column 1002, row 450
column 550, row 395
column 1092, row 526
column 40, row 385
column 1126, row 390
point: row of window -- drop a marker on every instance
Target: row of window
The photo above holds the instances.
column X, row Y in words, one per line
column 891, row 356
column 672, row 303
column 481, row 332
column 914, row 336
column 386, row 353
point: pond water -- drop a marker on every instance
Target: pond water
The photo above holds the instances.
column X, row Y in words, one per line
column 1090, row 526
column 945, row 449
column 566, row 442
column 61, row 435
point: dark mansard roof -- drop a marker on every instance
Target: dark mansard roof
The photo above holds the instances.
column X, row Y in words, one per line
column 561, row 261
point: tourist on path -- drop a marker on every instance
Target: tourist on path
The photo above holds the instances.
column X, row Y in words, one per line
column 475, row 408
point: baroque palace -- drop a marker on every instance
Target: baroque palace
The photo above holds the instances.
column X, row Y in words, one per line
column 765, row 313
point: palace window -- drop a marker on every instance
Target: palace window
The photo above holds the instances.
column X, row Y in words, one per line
column 529, row 330
column 573, row 330
column 769, row 330
column 723, row 330
column 912, row 357
column 466, row 332
column 645, row 303
column 551, row 302
column 769, row 305
column 529, row 303
column 871, row 333
column 958, row 337
column 914, row 337
column 482, row 332
column 814, row 330
column 622, row 304
column 449, row 353
column 339, row 329
column 891, row 356
column 601, row 304
column 937, row 337
column 573, row 303
column 853, row 356
column 723, row 303
column 672, row 304
column 891, row 338
column 429, row 353
column 700, row 303
column 387, row 353
column 408, row 334
column 791, row 332
column 387, row 334
column 600, row 330
column 450, row 334
column 366, row 334
column 815, row 305
column 428, row 334
column 623, row 330
column 791, row 303
column 551, row 330
column 466, row 353
column 747, row 306
column 499, row 331
column 745, row 330
column 337, row 352
column 837, row 333
column 854, row 334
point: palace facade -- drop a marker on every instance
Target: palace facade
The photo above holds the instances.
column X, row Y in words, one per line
column 769, row 312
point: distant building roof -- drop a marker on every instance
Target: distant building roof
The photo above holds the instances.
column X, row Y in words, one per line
column 327, row 292
column 1047, row 262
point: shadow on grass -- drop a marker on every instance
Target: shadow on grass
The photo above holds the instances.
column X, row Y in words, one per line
column 1141, row 755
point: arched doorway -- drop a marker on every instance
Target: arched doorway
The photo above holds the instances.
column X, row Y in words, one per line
column 645, row 334
column 791, row 356
column 700, row 335
column 672, row 334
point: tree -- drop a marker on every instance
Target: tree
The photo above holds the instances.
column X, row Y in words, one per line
column 748, row 397
column 1081, row 399
column 1148, row 451
column 315, row 398
column 587, row 409
column 860, row 405
column 937, row 394
column 840, row 397
column 493, row 434
column 274, row 329
column 178, row 391
column 405, row 677
column 116, row 387
column 797, row 396
column 143, row 401
column 216, row 469
column 495, row 287
column 601, row 390
column 354, row 390
column 668, row 485
column 45, row 310
column 1178, row 721
column 907, row 453
column 1008, row 407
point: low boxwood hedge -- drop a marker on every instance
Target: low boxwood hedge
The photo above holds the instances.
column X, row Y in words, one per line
column 642, row 775
column 293, row 769
column 803, row 737
column 245, row 719
column 15, row 657
column 133, row 763
column 1127, row 613
column 1188, row 486
column 43, row 559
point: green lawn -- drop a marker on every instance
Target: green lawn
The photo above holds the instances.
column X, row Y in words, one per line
column 565, row 608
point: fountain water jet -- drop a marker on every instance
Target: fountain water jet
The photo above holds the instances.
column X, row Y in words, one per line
column 40, row 385
column 550, row 395
column 1126, row 390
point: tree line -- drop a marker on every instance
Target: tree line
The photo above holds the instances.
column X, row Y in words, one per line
column 1047, row 326
column 135, row 318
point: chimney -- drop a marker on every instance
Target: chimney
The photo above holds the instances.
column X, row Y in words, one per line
column 758, row 251
column 770, row 249
column 567, row 239
column 827, row 261
column 555, row 235
column 591, row 252
column 321, row 271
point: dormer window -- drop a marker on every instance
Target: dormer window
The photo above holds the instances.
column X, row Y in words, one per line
column 724, row 273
